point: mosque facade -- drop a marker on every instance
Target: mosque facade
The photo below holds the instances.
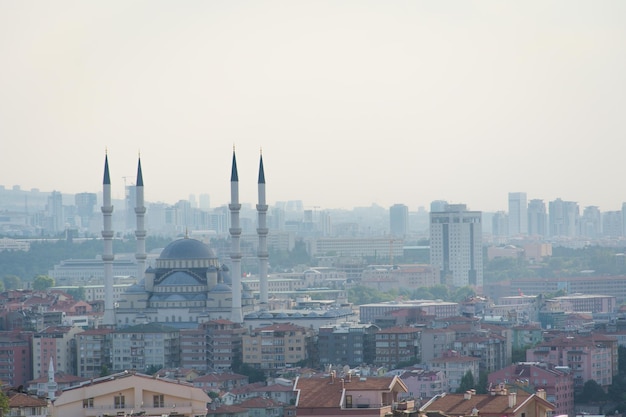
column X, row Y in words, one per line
column 187, row 285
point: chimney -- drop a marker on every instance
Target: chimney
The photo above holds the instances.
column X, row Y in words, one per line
column 541, row 393
column 512, row 399
column 467, row 395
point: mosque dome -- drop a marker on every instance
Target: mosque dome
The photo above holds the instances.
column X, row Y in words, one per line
column 187, row 248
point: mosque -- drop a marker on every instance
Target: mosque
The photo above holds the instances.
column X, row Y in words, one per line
column 188, row 285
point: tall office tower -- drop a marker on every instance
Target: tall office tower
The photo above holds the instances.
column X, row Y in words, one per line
column 193, row 202
column 262, row 231
column 205, row 202
column 140, row 232
column 438, row 205
column 612, row 224
column 518, row 214
column 398, row 220
column 456, row 245
column 590, row 224
column 563, row 217
column 85, row 204
column 130, row 198
column 54, row 212
column 235, row 234
column 107, row 254
column 500, row 224
column 537, row 218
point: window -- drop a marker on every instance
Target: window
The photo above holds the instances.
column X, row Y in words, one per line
column 158, row 401
column 88, row 403
column 119, row 401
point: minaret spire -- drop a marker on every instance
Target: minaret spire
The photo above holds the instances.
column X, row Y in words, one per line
column 235, row 234
column 107, row 255
column 52, row 385
column 140, row 233
column 262, row 231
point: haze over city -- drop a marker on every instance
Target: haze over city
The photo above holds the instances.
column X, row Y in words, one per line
column 353, row 103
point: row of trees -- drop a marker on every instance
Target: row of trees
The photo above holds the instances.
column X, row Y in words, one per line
column 25, row 266
column 364, row 295
column 563, row 262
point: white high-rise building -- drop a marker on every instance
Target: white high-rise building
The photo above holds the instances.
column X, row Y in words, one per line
column 456, row 245
column 518, row 214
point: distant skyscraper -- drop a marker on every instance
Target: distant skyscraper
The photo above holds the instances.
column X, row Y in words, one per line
column 130, row 199
column 612, row 224
column 590, row 224
column 398, row 220
column 537, row 218
column 85, row 205
column 54, row 211
column 500, row 224
column 456, row 245
column 564, row 217
column 518, row 214
column 438, row 205
column 205, row 202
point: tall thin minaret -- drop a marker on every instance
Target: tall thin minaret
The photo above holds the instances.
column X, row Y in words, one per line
column 262, row 253
column 235, row 233
column 107, row 256
column 52, row 385
column 140, row 233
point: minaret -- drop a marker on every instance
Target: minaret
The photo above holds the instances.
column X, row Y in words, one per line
column 140, row 233
column 262, row 253
column 107, row 256
column 52, row 385
column 235, row 233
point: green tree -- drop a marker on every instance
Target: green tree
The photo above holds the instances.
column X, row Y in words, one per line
column 483, row 383
column 4, row 404
column 519, row 354
column 77, row 293
column 592, row 392
column 43, row 282
column 12, row 282
column 621, row 360
column 467, row 383
column 463, row 293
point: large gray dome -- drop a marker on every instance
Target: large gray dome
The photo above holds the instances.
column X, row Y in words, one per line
column 187, row 249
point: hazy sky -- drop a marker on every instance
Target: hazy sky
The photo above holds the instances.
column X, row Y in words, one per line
column 353, row 102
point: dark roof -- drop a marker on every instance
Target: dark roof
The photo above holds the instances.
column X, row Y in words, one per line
column 139, row 175
column 23, row 400
column 107, row 178
column 187, row 248
column 151, row 327
column 233, row 174
column 261, row 172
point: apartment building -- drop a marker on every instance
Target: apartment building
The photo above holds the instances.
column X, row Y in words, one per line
column 274, row 347
column 592, row 356
column 397, row 345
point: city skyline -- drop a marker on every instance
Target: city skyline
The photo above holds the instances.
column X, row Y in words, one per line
column 352, row 103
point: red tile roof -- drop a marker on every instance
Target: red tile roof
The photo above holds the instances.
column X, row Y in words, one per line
column 486, row 404
column 318, row 392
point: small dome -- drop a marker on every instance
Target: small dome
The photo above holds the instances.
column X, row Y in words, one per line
column 137, row 288
column 187, row 249
column 266, row 316
column 220, row 288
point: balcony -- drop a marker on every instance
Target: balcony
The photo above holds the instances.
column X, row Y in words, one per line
column 128, row 411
